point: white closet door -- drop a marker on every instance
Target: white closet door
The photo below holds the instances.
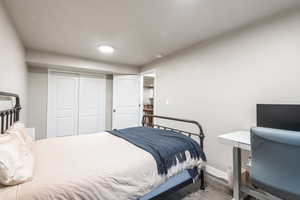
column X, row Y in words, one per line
column 91, row 104
column 62, row 104
column 126, row 99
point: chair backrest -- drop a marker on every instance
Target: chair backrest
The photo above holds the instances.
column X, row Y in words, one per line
column 275, row 164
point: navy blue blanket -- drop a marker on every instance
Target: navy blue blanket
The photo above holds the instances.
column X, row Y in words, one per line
column 164, row 146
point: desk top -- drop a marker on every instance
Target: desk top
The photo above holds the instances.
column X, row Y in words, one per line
column 240, row 139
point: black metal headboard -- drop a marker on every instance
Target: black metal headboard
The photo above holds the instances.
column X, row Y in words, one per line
column 9, row 116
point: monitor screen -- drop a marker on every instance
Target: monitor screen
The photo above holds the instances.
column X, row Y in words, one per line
column 280, row 116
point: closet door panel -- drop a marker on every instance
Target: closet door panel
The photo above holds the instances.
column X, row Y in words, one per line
column 91, row 105
column 63, row 105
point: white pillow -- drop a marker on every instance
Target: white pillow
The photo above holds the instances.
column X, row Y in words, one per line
column 16, row 160
column 20, row 129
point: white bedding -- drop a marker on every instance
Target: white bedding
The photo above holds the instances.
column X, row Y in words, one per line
column 96, row 166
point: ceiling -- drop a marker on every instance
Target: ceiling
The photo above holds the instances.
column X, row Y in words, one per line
column 137, row 29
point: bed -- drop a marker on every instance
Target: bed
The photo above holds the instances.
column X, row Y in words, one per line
column 100, row 166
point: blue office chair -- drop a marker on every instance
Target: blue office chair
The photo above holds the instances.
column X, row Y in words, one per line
column 275, row 164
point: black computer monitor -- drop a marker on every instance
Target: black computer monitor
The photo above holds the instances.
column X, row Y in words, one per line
column 279, row 116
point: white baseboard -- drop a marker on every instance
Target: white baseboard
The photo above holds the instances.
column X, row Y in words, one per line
column 216, row 172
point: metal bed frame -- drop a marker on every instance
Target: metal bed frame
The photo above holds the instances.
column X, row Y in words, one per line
column 9, row 116
column 199, row 134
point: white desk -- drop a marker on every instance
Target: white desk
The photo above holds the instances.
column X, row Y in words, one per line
column 238, row 140
column 241, row 140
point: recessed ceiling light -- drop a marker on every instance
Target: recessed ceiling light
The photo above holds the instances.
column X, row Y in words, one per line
column 160, row 55
column 106, row 49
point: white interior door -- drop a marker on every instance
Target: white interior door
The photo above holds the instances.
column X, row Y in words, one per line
column 91, row 104
column 126, row 97
column 62, row 104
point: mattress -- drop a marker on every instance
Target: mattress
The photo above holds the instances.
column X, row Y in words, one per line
column 94, row 166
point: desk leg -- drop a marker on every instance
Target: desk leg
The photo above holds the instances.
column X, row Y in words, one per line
column 236, row 173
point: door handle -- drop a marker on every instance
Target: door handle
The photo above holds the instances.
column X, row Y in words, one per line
column 114, row 110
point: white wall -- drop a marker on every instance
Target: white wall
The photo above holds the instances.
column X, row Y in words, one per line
column 13, row 72
column 108, row 102
column 220, row 82
column 38, row 98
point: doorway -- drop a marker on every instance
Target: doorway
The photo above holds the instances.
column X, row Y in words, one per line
column 148, row 95
column 133, row 96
